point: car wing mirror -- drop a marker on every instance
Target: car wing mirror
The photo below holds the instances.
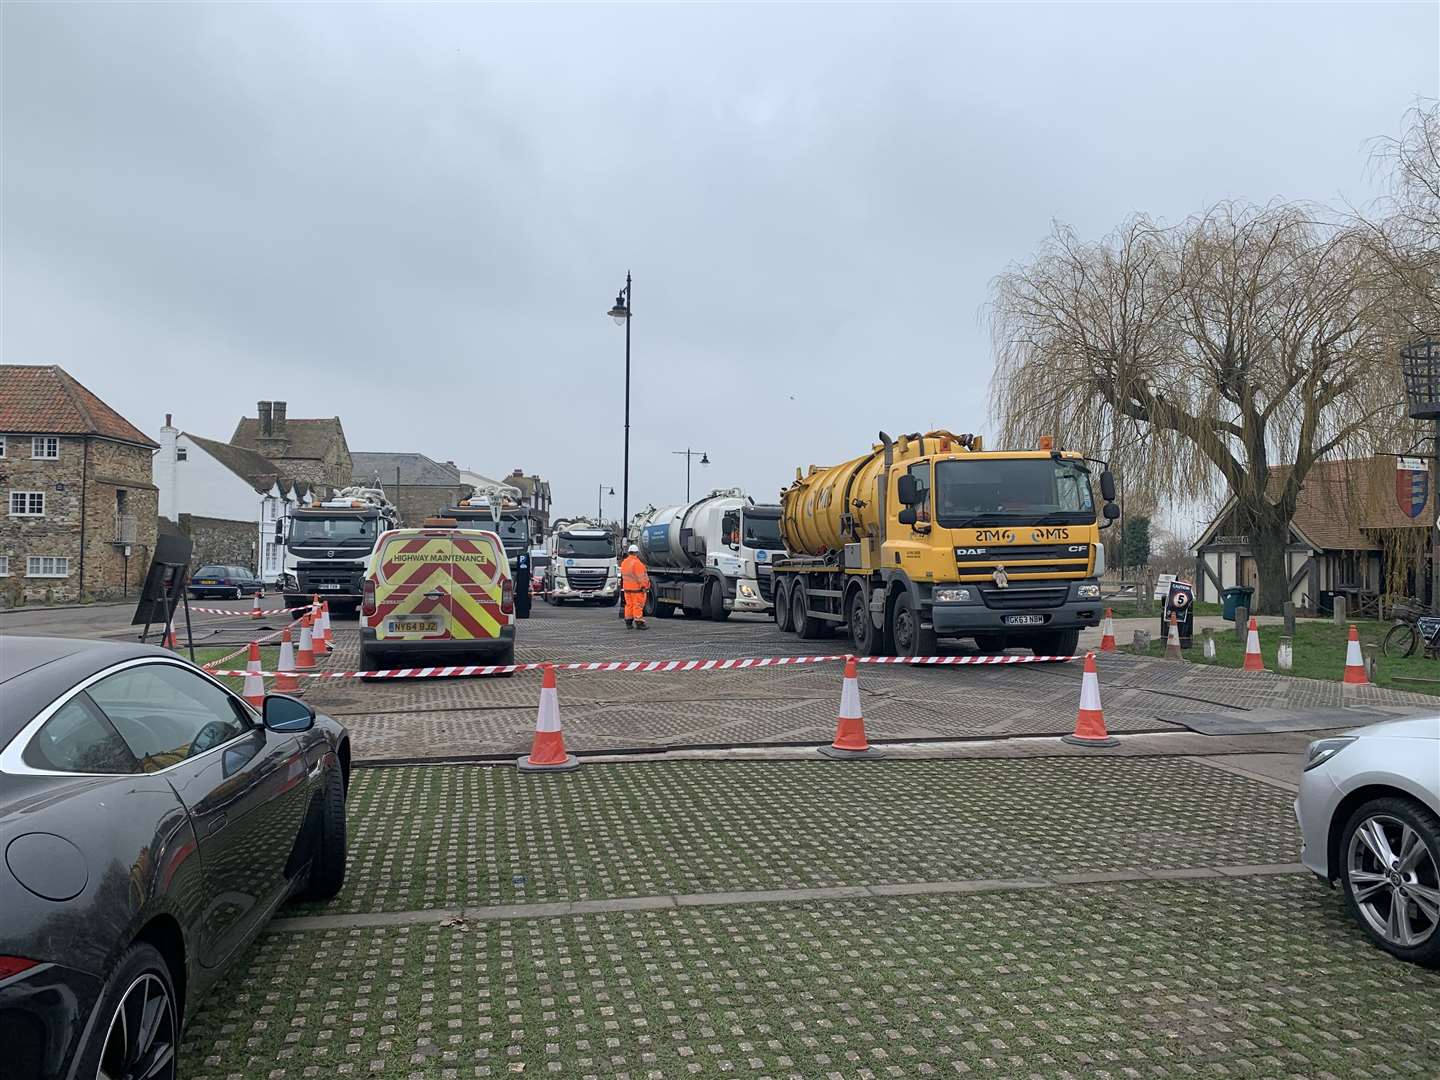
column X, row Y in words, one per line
column 281, row 712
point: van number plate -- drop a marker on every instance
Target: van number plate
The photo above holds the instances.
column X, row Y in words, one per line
column 1024, row 620
column 328, row 586
column 412, row 626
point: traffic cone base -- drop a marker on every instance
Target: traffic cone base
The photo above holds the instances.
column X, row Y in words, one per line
column 547, row 752
column 1354, row 662
column 1253, row 660
column 1090, row 718
column 850, row 741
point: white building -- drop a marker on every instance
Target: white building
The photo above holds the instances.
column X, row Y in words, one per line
column 231, row 501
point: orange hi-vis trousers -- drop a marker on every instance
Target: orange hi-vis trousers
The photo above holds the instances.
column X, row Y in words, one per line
column 634, row 603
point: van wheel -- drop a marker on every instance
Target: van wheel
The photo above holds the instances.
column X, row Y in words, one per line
column 782, row 609
column 715, row 602
column 905, row 629
column 806, row 625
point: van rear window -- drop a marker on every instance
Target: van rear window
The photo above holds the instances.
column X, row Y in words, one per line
column 405, row 558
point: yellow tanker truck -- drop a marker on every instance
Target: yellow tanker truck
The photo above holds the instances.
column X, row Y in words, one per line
column 931, row 536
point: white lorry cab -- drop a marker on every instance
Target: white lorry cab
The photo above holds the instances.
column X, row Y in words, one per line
column 581, row 563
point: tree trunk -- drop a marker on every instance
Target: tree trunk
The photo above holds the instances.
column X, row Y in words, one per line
column 1269, row 532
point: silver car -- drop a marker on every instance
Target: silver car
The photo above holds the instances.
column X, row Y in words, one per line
column 1369, row 811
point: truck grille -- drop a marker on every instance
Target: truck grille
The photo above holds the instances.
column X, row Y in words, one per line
column 1013, row 598
column 765, row 578
column 582, row 577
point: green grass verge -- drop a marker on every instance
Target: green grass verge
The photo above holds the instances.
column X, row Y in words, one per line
column 1319, row 648
column 1139, row 609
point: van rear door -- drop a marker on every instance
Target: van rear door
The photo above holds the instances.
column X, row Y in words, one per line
column 480, row 575
column 413, row 587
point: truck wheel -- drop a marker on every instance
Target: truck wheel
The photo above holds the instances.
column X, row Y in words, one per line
column 715, row 602
column 868, row 639
column 905, row 630
column 782, row 609
column 990, row 644
column 806, row 625
column 1055, row 643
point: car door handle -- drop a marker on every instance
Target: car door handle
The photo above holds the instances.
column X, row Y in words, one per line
column 216, row 824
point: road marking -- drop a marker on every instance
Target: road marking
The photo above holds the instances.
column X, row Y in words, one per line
column 505, row 912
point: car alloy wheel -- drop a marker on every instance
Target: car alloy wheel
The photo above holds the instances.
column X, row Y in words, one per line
column 140, row 1043
column 1394, row 880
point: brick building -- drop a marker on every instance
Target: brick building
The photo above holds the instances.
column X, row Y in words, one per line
column 80, row 507
column 312, row 450
column 418, row 486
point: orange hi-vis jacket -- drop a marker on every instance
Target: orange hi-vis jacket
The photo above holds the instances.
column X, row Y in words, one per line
column 633, row 577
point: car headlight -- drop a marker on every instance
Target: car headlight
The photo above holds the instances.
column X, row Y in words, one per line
column 1088, row 592
column 952, row 596
column 1322, row 750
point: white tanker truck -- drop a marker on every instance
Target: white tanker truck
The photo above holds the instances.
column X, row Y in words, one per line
column 710, row 557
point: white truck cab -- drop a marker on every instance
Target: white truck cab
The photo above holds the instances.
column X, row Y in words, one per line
column 582, row 564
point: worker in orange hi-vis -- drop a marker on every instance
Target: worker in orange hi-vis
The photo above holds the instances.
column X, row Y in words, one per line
column 635, row 583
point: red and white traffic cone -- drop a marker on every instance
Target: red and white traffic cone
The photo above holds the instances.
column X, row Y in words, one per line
column 305, row 655
column 167, row 639
column 547, row 751
column 1172, row 640
column 254, row 689
column 1354, row 662
column 850, row 741
column 1090, row 719
column 327, row 639
column 1253, row 660
column 286, row 681
column 1107, row 632
column 255, row 612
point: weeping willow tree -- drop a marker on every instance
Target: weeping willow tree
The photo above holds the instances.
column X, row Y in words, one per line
column 1200, row 355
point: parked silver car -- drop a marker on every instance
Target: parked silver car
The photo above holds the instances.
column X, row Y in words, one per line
column 1369, row 810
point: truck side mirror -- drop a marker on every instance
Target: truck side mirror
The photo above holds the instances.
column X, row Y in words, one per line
column 1107, row 486
column 1111, row 511
column 908, row 491
column 908, row 516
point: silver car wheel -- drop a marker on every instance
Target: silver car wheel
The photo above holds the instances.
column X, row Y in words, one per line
column 140, row 1042
column 1395, row 880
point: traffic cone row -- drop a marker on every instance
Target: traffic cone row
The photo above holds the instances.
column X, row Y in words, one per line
column 547, row 750
column 1253, row 659
column 1354, row 662
column 1107, row 632
column 1090, row 718
column 254, row 689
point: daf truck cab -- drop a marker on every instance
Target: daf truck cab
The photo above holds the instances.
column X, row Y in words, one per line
column 583, row 564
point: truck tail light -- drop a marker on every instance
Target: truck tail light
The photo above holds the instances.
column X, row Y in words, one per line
column 367, row 598
column 507, row 596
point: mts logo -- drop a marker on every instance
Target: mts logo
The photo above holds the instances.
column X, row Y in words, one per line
column 994, row 536
column 1041, row 535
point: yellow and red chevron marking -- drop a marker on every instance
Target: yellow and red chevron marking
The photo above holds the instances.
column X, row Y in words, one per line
column 461, row 571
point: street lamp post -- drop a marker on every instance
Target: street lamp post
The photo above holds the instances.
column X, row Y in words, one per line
column 704, row 460
column 600, row 505
column 621, row 314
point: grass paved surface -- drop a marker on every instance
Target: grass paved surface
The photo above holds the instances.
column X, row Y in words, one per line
column 452, row 836
column 1245, row 977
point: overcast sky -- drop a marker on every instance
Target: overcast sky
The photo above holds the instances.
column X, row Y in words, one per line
column 415, row 218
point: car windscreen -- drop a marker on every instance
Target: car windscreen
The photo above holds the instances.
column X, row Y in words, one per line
column 1032, row 490
column 585, row 547
column 337, row 530
column 761, row 532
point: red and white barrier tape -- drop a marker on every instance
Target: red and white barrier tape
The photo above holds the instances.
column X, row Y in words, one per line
column 213, row 664
column 248, row 612
column 738, row 663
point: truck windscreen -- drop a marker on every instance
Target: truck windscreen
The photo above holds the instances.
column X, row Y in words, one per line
column 337, row 530
column 1032, row 490
column 762, row 532
column 585, row 547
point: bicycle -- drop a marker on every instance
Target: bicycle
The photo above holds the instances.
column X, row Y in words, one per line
column 1402, row 639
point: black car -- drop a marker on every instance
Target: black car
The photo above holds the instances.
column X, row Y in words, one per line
column 151, row 823
column 224, row 583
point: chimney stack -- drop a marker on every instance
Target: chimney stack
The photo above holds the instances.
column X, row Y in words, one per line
column 262, row 410
column 167, row 420
column 279, row 418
